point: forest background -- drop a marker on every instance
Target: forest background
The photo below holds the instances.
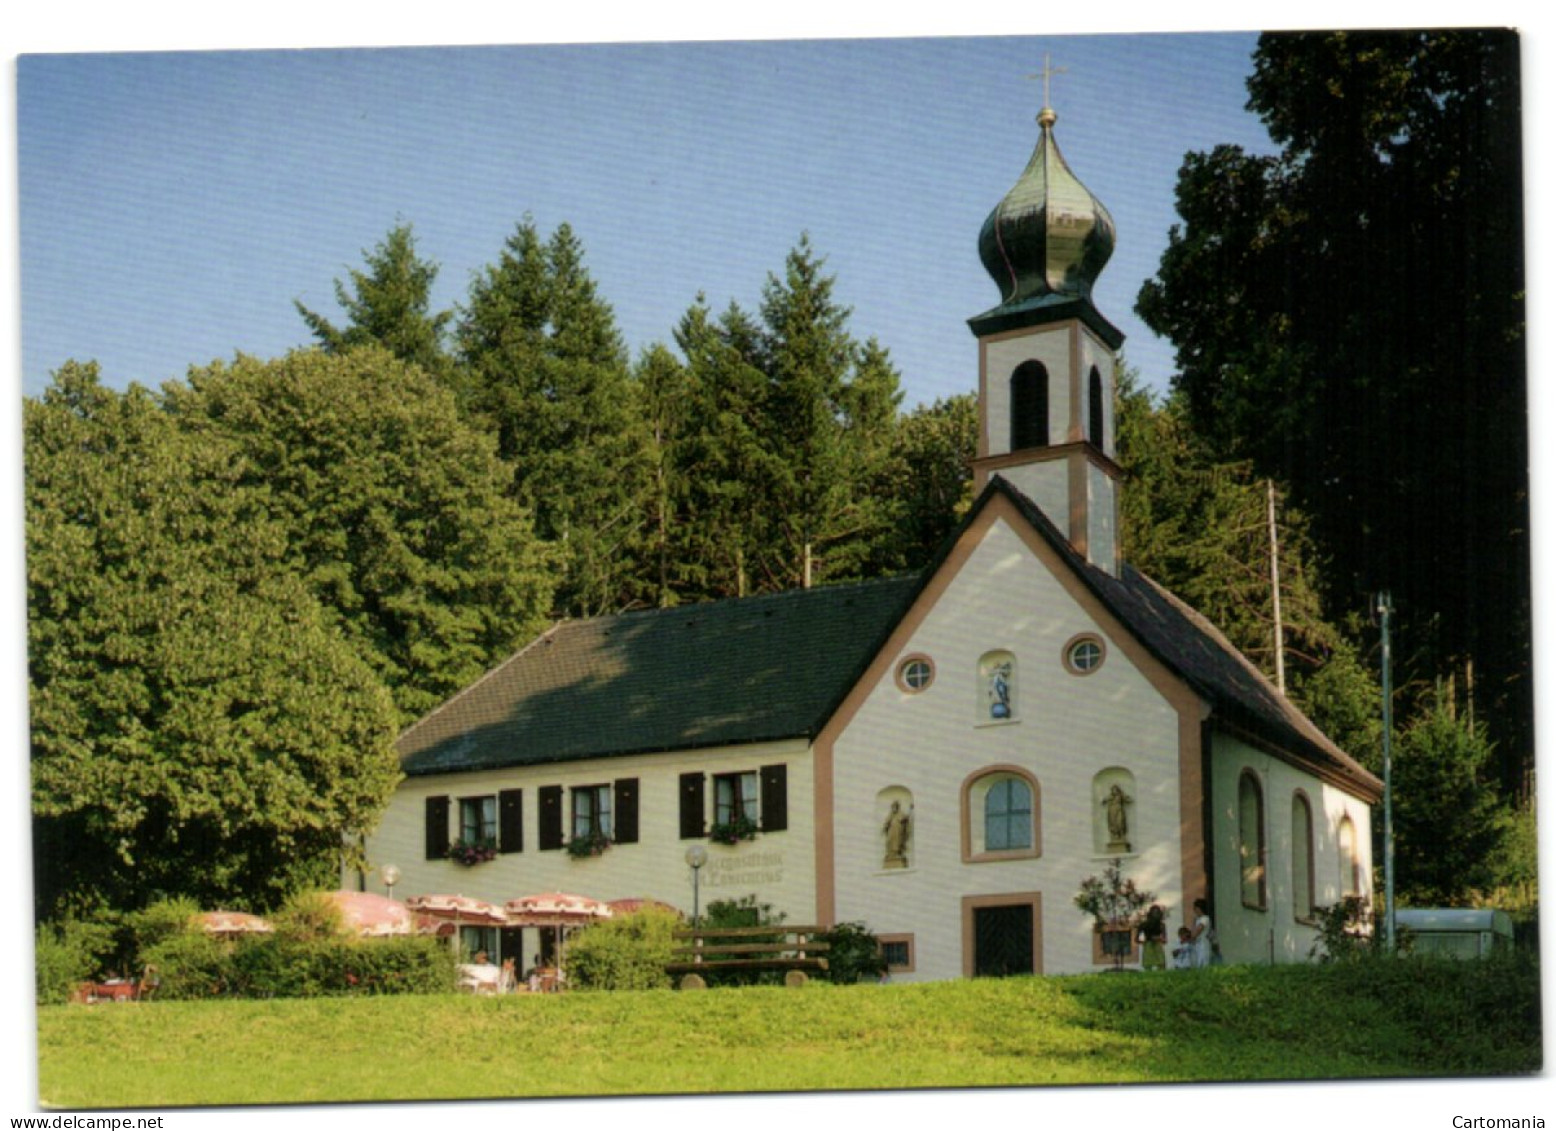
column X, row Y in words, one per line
column 243, row 584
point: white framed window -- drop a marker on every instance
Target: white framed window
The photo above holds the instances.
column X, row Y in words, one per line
column 591, row 812
column 735, row 795
column 478, row 820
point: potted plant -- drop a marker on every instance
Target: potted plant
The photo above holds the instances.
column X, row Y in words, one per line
column 733, row 831
column 472, row 852
column 1114, row 903
column 590, row 844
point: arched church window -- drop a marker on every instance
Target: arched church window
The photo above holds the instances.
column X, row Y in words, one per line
column 1028, row 406
column 1094, row 408
column 1250, row 839
column 1350, row 871
column 997, row 687
column 1301, row 858
column 1000, row 818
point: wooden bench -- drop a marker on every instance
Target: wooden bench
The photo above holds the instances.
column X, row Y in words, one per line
column 710, row 950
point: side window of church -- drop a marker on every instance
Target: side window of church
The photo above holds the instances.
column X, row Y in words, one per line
column 1350, row 873
column 1301, row 858
column 1250, row 839
column 1028, row 406
column 997, row 687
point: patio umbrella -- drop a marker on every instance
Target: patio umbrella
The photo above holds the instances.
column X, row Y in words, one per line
column 231, row 924
column 458, row 909
column 371, row 916
column 443, row 915
column 557, row 910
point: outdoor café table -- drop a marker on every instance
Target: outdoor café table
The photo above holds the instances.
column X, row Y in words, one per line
column 479, row 978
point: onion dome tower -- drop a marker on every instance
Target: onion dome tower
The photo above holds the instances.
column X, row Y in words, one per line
column 1046, row 355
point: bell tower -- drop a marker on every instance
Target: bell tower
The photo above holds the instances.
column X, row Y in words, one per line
column 1046, row 356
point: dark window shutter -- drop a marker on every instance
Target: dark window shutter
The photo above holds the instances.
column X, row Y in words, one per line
column 437, row 828
column 550, row 817
column 692, row 806
column 775, row 798
column 510, row 820
column 626, row 818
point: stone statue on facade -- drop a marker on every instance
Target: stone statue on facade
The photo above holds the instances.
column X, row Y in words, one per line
column 1118, row 818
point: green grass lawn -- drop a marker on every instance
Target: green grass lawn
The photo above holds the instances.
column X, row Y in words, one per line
column 1224, row 1024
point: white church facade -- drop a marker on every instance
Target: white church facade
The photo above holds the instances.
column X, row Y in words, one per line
column 944, row 757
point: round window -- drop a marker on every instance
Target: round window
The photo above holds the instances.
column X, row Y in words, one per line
column 915, row 673
column 1083, row 655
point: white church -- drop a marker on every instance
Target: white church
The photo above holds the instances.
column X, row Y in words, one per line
column 943, row 757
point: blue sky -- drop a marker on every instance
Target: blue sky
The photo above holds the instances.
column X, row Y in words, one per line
column 173, row 205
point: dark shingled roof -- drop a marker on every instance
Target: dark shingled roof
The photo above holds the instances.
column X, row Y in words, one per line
column 711, row 674
column 1239, row 694
column 765, row 668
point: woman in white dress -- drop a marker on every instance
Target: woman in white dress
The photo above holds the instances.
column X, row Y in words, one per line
column 1202, row 934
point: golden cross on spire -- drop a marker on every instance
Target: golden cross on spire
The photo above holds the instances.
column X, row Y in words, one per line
column 1046, row 74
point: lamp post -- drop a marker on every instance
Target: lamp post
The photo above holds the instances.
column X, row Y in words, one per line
column 391, row 876
column 1385, row 610
column 696, row 857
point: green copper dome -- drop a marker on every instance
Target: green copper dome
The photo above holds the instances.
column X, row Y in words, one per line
column 1049, row 236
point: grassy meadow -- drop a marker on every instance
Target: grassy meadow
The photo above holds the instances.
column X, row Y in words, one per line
column 1232, row 1023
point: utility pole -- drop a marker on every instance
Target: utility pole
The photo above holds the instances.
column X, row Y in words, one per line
column 1385, row 608
column 1280, row 636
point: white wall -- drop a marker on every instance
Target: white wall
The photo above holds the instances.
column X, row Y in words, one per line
column 1069, row 727
column 778, row 867
column 1273, row 934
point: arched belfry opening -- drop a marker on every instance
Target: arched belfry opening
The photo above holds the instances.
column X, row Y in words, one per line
column 1028, row 406
column 1094, row 404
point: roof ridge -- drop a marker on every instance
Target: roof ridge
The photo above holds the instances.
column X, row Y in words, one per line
column 776, row 595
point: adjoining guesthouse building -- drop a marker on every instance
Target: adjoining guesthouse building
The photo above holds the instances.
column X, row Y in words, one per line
column 944, row 757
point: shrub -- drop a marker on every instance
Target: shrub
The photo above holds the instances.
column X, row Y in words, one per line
column 279, row 966
column 191, row 965
column 626, row 953
column 68, row 953
column 309, row 915
column 853, row 954
column 156, row 923
column 1344, row 931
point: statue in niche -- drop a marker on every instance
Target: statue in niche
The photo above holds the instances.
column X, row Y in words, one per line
column 896, row 828
column 1118, row 818
column 999, row 690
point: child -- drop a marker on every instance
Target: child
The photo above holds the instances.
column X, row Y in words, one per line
column 1183, row 953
